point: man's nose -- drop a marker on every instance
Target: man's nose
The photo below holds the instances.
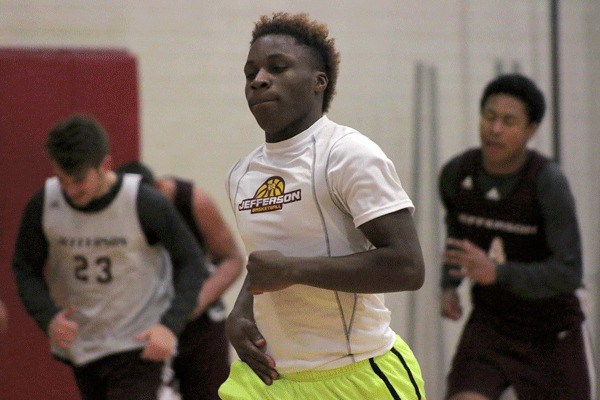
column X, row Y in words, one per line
column 262, row 79
column 497, row 125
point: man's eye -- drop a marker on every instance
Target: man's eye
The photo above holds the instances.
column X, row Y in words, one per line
column 278, row 68
column 488, row 116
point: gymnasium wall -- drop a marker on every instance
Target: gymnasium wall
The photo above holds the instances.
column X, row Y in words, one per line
column 411, row 76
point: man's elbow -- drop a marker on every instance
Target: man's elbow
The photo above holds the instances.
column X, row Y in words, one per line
column 411, row 275
column 415, row 267
column 416, row 275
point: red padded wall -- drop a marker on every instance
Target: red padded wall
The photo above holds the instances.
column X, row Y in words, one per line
column 38, row 87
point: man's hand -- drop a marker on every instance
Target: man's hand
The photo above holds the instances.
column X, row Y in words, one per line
column 160, row 343
column 250, row 346
column 472, row 262
column 451, row 307
column 62, row 331
column 268, row 271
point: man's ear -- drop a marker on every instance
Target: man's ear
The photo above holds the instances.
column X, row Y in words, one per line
column 321, row 81
column 532, row 130
column 107, row 163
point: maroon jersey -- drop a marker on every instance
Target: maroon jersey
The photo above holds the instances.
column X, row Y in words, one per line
column 513, row 226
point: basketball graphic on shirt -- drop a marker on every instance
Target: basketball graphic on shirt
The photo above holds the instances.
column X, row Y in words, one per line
column 270, row 196
column 274, row 186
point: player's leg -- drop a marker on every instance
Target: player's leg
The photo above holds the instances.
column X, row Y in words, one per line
column 88, row 381
column 128, row 376
column 202, row 364
column 559, row 369
column 477, row 371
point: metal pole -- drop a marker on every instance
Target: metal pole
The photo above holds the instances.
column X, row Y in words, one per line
column 437, row 237
column 555, row 71
column 417, row 133
column 416, row 177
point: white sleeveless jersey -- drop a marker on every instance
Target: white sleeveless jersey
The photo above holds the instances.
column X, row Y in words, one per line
column 306, row 196
column 101, row 264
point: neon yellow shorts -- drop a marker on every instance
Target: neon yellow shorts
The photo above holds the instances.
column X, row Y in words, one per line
column 393, row 375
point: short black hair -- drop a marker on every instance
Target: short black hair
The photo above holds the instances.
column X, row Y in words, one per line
column 137, row 167
column 77, row 143
column 309, row 33
column 521, row 87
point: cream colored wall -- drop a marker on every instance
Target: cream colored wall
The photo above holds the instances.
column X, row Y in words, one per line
column 195, row 122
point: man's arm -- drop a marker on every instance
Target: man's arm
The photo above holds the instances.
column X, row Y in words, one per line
column 396, row 264
column 447, row 185
column 162, row 224
column 221, row 249
column 450, row 299
column 31, row 250
column 562, row 272
column 246, row 339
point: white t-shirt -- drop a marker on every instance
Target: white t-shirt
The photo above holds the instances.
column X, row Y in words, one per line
column 307, row 196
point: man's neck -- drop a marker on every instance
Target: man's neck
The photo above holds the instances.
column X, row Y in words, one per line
column 108, row 181
column 293, row 129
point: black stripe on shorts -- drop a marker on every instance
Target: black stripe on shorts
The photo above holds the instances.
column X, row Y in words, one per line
column 408, row 371
column 384, row 378
column 388, row 384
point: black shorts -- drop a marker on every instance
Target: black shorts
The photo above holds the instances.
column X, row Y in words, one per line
column 120, row 376
column 552, row 368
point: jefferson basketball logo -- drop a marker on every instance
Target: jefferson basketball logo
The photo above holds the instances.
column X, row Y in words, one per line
column 270, row 196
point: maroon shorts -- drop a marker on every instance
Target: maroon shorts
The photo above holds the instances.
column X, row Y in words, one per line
column 202, row 364
column 119, row 376
column 551, row 368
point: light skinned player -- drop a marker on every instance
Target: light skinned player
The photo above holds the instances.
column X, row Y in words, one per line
column 91, row 269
